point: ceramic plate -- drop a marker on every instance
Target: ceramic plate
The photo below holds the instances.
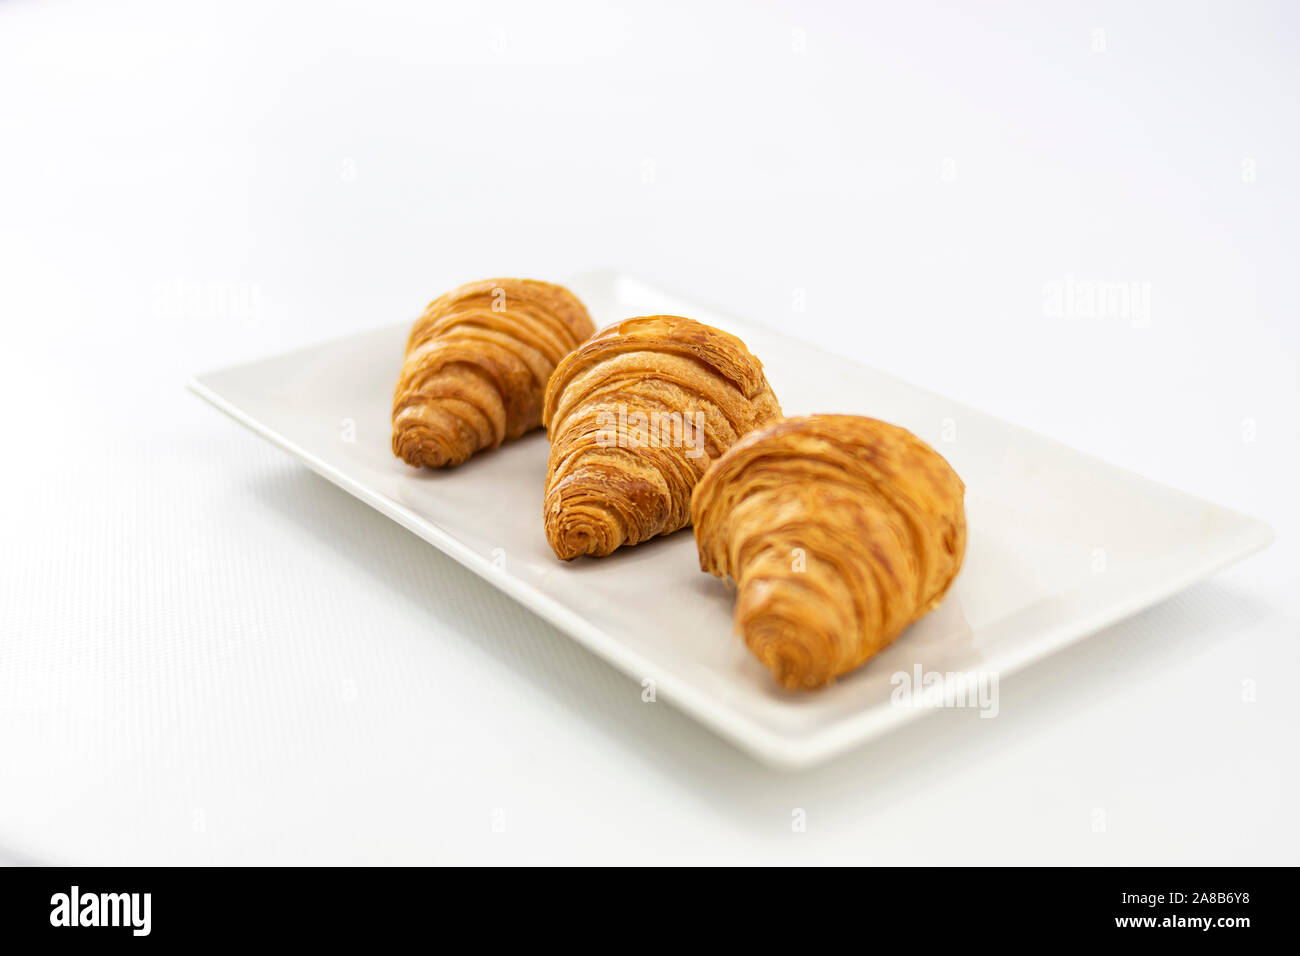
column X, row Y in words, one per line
column 1060, row 544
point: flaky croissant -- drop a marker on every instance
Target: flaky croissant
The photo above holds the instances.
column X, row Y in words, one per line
column 476, row 367
column 838, row 531
column 635, row 416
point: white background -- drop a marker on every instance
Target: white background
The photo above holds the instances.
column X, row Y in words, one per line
column 208, row 654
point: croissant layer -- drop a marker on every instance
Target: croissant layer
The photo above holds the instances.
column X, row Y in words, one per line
column 476, row 367
column 635, row 416
column 838, row 532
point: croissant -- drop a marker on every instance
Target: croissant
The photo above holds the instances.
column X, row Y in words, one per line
column 635, row 416
column 476, row 367
column 838, row 531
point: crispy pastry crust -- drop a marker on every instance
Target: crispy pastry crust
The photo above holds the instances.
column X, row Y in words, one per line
column 607, row 485
column 476, row 367
column 838, row 531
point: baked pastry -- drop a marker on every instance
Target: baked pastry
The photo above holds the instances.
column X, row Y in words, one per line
column 838, row 531
column 635, row 416
column 476, row 367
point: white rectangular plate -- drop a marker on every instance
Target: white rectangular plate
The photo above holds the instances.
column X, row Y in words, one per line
column 1037, row 513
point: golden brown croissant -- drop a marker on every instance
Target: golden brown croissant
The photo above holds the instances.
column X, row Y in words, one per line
column 476, row 367
column 838, row 531
column 635, row 416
